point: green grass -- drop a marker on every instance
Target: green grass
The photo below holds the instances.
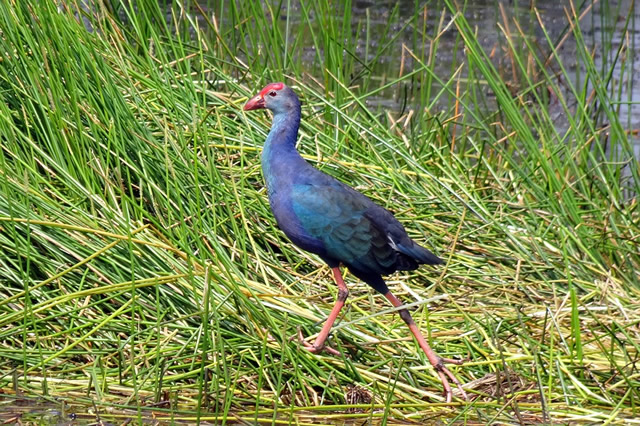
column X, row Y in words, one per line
column 141, row 270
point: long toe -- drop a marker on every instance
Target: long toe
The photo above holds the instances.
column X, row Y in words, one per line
column 446, row 375
column 316, row 350
column 445, row 384
column 313, row 347
column 452, row 361
column 455, row 380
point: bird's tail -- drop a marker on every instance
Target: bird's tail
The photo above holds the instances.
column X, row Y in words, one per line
column 419, row 254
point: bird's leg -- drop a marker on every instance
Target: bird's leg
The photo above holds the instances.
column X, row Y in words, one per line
column 343, row 292
column 436, row 361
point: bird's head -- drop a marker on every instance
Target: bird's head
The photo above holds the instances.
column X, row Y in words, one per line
column 275, row 96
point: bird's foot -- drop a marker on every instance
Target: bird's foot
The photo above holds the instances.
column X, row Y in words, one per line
column 446, row 375
column 314, row 348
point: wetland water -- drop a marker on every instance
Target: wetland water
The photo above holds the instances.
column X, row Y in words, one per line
column 601, row 24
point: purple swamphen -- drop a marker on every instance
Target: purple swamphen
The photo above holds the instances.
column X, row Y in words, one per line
column 326, row 217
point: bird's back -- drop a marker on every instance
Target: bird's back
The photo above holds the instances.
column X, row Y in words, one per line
column 344, row 226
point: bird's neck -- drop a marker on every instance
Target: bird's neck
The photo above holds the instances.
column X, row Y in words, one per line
column 284, row 132
column 279, row 155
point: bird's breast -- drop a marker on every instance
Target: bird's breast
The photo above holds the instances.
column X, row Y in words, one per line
column 290, row 224
column 283, row 168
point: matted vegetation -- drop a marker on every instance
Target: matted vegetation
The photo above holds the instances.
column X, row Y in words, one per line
column 141, row 272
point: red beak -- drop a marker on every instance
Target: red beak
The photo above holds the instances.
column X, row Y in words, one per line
column 256, row 102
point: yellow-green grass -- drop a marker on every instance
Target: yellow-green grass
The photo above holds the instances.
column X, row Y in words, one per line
column 141, row 271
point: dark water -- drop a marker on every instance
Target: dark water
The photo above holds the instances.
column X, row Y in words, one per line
column 601, row 23
column 625, row 72
column 20, row 410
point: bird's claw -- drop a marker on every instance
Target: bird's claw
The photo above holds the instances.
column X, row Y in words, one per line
column 451, row 361
column 446, row 375
column 312, row 347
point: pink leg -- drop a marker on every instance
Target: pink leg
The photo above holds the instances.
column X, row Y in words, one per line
column 343, row 292
column 436, row 361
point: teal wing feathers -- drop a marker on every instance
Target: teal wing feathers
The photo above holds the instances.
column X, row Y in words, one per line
column 341, row 218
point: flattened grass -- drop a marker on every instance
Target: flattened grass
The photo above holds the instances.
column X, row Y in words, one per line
column 141, row 270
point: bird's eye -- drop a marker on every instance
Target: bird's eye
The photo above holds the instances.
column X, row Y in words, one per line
column 272, row 93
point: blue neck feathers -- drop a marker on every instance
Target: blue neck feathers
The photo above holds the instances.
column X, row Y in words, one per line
column 280, row 159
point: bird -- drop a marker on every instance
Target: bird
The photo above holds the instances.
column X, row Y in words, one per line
column 324, row 216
